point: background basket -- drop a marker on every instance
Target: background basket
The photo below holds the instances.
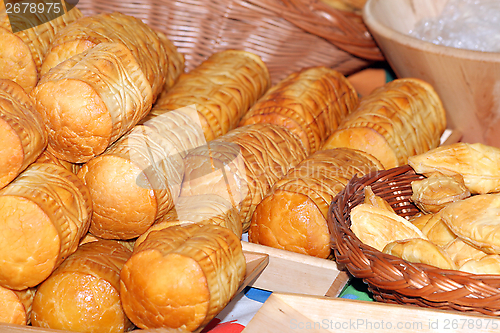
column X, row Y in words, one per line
column 394, row 280
column 287, row 34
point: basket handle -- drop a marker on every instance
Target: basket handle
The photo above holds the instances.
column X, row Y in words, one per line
column 342, row 28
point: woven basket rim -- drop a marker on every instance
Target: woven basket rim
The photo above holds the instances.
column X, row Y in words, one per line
column 393, row 279
column 345, row 29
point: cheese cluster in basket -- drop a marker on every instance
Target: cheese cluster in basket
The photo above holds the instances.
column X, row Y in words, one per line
column 459, row 223
column 126, row 183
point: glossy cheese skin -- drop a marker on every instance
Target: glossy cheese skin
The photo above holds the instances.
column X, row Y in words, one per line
column 145, row 45
column 82, row 294
column 15, row 305
column 138, row 179
column 477, row 163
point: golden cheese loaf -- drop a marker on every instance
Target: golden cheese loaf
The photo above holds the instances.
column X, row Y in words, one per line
column 137, row 179
column 222, row 89
column 82, row 294
column 242, row 165
column 434, row 192
column 15, row 305
column 22, row 133
column 405, row 117
column 200, row 209
column 22, row 51
column 182, row 276
column 90, row 100
column 293, row 216
column 419, row 220
column 145, row 45
column 46, row 210
column 218, row 167
column 311, row 103
column 378, row 226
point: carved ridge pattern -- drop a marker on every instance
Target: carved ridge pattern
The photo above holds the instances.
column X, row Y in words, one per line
column 155, row 148
column 269, row 152
column 38, row 39
column 215, row 250
column 122, row 87
column 407, row 113
column 319, row 175
column 141, row 40
column 150, row 151
column 22, row 117
column 223, row 88
column 40, row 183
column 101, row 259
column 125, row 90
column 202, row 209
column 208, row 159
column 310, row 103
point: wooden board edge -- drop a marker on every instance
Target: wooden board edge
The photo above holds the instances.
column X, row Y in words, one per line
column 299, row 273
column 306, row 313
column 256, row 263
column 288, row 255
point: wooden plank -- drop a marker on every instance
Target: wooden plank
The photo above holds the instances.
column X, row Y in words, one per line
column 302, row 313
column 276, row 315
column 298, row 273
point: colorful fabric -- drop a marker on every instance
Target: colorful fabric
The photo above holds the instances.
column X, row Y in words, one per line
column 238, row 313
column 356, row 289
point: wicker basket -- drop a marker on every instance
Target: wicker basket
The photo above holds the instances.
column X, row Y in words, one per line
column 394, row 280
column 287, row 34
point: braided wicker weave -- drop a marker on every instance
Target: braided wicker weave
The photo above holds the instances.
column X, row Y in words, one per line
column 287, row 34
column 394, row 280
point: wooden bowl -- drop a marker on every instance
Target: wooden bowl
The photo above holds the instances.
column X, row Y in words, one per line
column 467, row 81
